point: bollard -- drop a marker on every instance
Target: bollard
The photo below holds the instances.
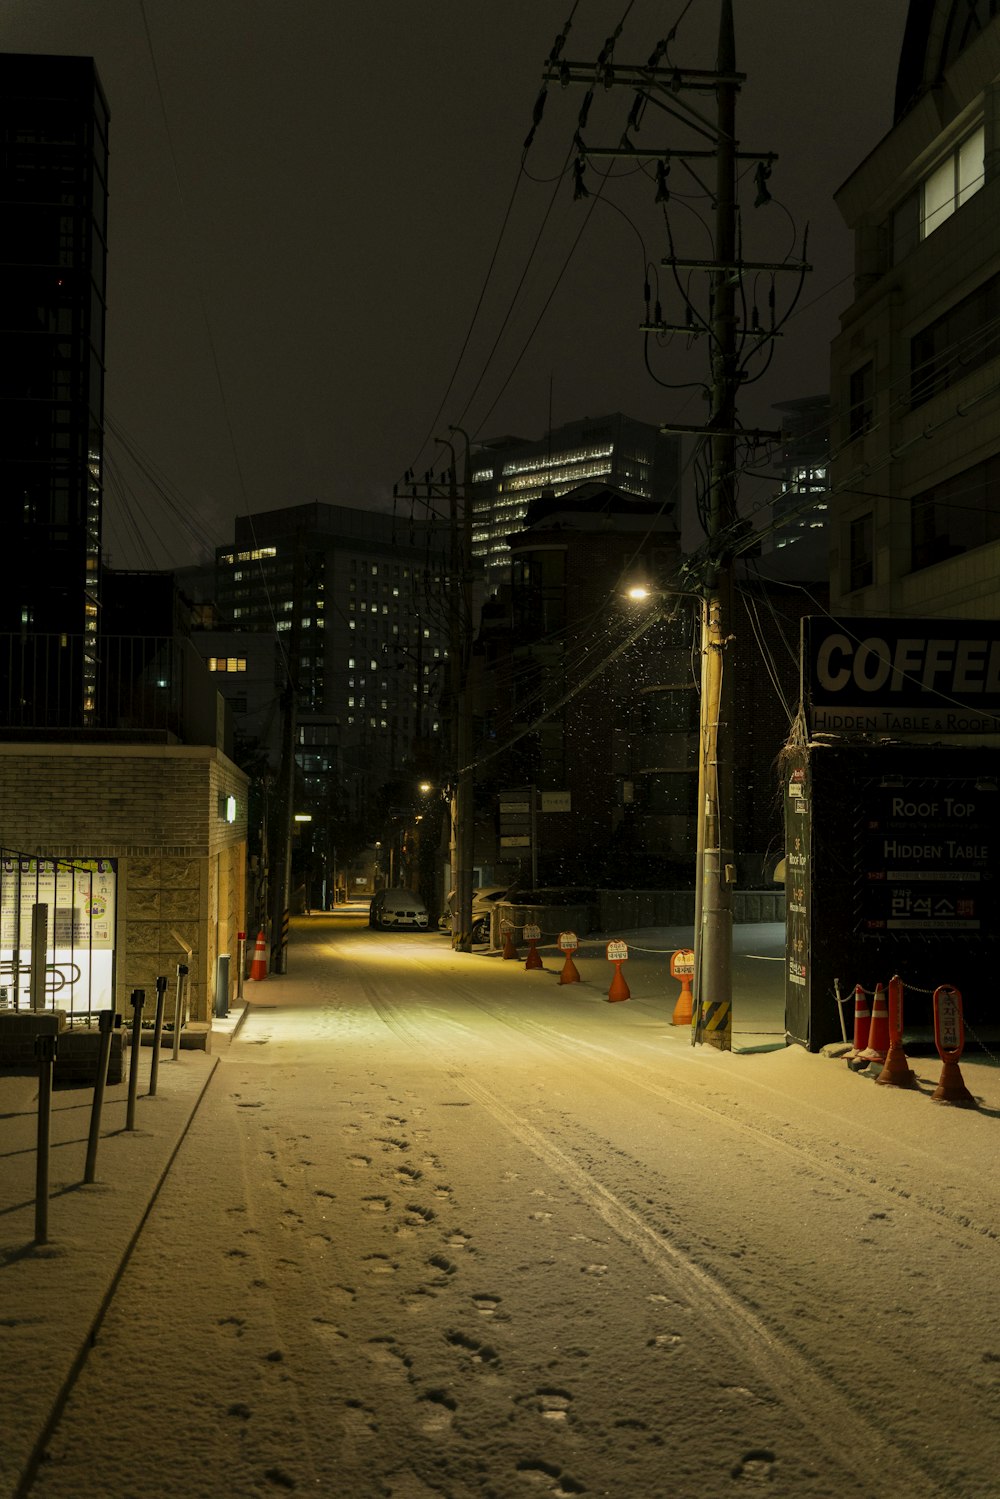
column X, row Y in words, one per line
column 221, row 1007
column 568, row 945
column 241, row 958
column 617, row 953
column 45, row 1054
column 136, row 999
column 949, row 1038
column 154, row 1066
column 682, row 969
column 179, row 1008
column 896, row 1073
column 532, row 934
column 108, row 1021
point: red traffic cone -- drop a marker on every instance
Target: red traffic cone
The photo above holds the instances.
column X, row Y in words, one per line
column 619, row 989
column 533, row 960
column 258, row 968
column 509, row 950
column 862, row 1023
column 878, row 1034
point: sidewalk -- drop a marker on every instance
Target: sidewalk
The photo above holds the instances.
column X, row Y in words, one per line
column 54, row 1295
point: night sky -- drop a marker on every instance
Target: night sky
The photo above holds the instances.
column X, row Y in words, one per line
column 306, row 198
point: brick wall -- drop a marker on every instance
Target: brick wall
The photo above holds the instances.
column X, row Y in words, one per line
column 155, row 809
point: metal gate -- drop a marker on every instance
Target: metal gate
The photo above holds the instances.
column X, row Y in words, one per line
column 79, row 897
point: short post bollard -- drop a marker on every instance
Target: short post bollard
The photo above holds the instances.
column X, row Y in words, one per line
column 136, row 999
column 108, row 1022
column 179, row 1008
column 154, row 1066
column 45, row 1055
column 241, row 958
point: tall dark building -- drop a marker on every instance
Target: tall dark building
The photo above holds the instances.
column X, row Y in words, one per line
column 53, row 190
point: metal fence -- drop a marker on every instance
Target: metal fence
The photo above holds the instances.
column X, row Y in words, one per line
column 121, row 683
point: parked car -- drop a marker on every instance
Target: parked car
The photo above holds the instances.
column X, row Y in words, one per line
column 483, row 901
column 397, row 908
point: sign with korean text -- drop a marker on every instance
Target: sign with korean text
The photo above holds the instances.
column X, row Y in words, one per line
column 682, row 963
column 926, row 855
column 532, row 933
column 949, row 1028
column 617, row 951
column 568, row 942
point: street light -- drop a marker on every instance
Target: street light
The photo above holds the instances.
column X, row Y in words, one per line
column 714, row 873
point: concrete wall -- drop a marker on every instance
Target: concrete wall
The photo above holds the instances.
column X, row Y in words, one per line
column 156, row 810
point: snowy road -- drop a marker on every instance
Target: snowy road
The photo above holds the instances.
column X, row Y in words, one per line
column 443, row 1227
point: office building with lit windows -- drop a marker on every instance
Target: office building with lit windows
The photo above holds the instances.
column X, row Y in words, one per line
column 796, row 545
column 54, row 121
column 915, row 465
column 508, row 473
column 356, row 602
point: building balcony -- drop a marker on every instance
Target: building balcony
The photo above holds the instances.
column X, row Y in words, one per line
column 114, row 687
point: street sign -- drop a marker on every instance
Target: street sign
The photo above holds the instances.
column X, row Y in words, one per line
column 617, row 951
column 682, row 964
column 949, row 1028
column 568, row 942
column 532, row 933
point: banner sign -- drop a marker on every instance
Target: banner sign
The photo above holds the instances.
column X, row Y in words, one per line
column 901, row 676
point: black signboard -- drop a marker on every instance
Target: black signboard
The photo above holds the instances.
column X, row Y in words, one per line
column 925, row 856
column 798, row 900
column 865, row 675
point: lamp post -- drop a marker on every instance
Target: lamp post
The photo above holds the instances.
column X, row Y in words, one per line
column 713, row 870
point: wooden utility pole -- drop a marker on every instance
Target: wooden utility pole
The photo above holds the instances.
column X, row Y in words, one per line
column 281, row 822
column 666, row 84
column 459, row 596
column 715, row 874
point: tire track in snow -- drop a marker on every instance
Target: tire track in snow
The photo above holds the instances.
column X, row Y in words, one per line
column 816, row 1399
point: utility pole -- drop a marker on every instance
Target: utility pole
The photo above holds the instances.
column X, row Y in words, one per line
column 281, row 823
column 462, row 786
column 716, row 873
column 666, row 85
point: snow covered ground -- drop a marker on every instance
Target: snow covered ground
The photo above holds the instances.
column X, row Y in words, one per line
column 441, row 1226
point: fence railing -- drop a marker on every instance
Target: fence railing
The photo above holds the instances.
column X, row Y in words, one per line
column 123, row 683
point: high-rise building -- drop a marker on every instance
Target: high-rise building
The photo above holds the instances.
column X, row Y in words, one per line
column 54, row 121
column 797, row 544
column 509, row 472
column 358, row 601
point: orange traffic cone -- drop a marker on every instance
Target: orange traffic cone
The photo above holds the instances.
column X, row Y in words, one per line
column 509, row 950
column 258, row 968
column 570, row 973
column 619, row 989
column 862, row 1023
column 952, row 1089
column 878, row 1034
